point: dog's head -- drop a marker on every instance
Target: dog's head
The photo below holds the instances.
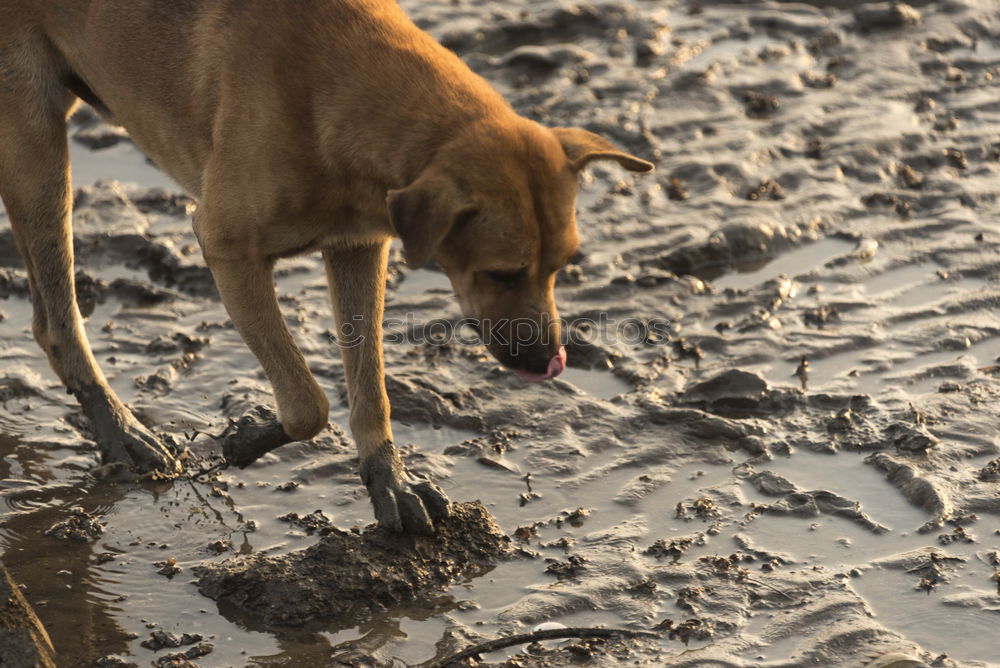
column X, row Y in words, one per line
column 496, row 209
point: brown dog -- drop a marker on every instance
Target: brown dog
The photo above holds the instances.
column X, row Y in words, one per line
column 333, row 126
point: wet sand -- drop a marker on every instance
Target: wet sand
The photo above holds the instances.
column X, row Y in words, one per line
column 826, row 192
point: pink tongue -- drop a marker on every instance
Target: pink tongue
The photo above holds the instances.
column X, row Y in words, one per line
column 558, row 363
column 556, row 366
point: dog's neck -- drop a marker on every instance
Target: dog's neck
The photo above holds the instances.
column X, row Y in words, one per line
column 415, row 95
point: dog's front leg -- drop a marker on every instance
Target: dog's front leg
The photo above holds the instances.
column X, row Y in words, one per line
column 357, row 289
column 246, row 285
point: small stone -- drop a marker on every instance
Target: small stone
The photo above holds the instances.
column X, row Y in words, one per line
column 910, row 177
column 168, row 568
column 760, row 105
column 886, row 15
column 676, row 190
column 160, row 639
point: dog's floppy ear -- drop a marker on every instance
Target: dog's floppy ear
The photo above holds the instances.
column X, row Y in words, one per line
column 423, row 213
column 583, row 147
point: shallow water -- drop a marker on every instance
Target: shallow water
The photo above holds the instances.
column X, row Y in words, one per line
column 794, row 263
column 898, row 604
column 847, row 474
column 122, row 162
column 419, row 281
column 600, row 384
column 706, row 53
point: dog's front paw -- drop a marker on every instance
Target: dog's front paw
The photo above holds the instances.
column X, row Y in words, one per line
column 131, row 443
column 403, row 501
column 252, row 436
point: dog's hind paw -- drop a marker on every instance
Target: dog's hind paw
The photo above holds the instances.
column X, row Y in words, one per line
column 134, row 445
column 403, row 501
column 123, row 439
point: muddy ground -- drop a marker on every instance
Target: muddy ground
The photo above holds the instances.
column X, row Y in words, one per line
column 802, row 468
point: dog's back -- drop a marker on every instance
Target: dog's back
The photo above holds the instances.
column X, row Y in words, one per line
column 172, row 71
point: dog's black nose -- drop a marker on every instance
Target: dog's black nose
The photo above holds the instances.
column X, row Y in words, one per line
column 535, row 362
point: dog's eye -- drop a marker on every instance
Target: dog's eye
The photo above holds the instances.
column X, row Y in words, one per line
column 508, row 279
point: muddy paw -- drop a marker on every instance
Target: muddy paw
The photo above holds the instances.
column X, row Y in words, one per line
column 252, row 436
column 135, row 445
column 403, row 501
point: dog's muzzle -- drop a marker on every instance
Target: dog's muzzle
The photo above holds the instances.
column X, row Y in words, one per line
column 556, row 366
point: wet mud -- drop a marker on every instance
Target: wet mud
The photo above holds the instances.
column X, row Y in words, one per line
column 798, row 465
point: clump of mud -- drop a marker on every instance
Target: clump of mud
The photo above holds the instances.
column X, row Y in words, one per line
column 357, row 574
column 80, row 525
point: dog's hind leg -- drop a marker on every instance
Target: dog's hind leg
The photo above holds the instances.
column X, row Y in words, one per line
column 35, row 188
column 357, row 288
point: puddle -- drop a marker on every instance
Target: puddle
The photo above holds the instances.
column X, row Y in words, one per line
column 420, row 281
column 931, row 293
column 298, row 276
column 827, row 540
column 122, row 162
column 895, row 367
column 122, row 595
column 601, row 384
column 918, row 286
column 412, row 633
column 701, row 55
column 772, row 649
column 793, row 263
column 433, row 439
column 896, row 280
column 847, row 474
column 502, row 587
column 15, row 314
column 963, row 633
column 144, row 527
